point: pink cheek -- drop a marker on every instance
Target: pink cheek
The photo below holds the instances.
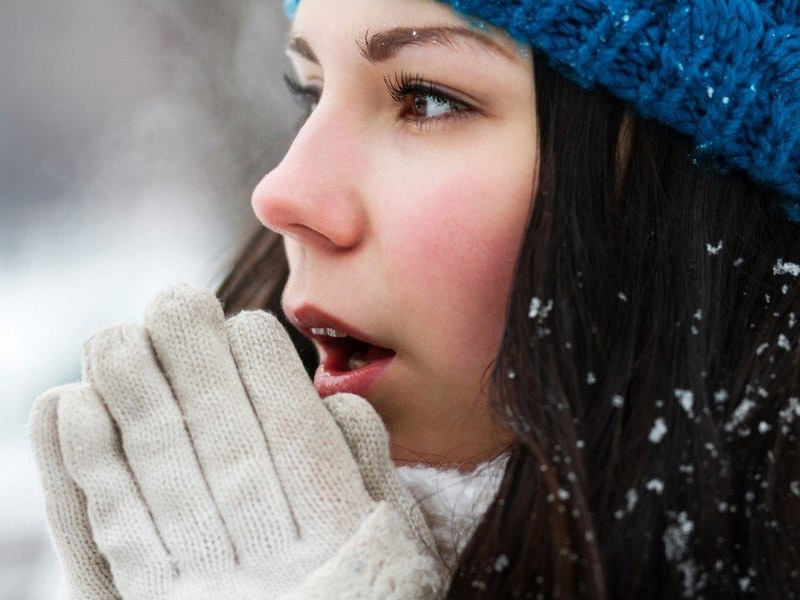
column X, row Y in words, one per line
column 458, row 255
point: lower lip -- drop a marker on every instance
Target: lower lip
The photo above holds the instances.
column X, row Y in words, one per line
column 357, row 381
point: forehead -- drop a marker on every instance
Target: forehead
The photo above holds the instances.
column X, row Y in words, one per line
column 333, row 22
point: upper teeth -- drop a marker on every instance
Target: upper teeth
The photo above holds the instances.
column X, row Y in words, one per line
column 329, row 331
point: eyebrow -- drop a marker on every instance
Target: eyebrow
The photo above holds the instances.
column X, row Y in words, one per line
column 385, row 45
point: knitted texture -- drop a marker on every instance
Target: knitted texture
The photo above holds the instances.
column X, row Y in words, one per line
column 85, row 572
column 196, row 461
column 724, row 72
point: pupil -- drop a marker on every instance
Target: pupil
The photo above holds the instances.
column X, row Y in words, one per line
column 420, row 105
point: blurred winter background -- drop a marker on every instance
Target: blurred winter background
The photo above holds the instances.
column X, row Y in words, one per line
column 131, row 135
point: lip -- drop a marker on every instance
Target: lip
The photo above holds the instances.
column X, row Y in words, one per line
column 329, row 378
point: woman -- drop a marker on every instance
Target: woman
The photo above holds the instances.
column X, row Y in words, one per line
column 585, row 255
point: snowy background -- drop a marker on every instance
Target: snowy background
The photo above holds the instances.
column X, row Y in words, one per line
column 131, row 135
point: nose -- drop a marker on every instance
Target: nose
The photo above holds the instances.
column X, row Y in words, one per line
column 313, row 195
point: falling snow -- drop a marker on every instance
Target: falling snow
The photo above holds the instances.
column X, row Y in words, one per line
column 622, row 296
column 617, row 401
column 691, row 585
column 740, row 414
column 686, row 399
column 786, row 268
column 655, row 485
column 501, row 563
column 537, row 309
column 720, row 396
column 590, row 378
column 714, row 250
column 791, row 412
column 658, row 431
column 738, row 262
column 632, row 497
column 784, row 343
column 477, row 584
column 794, row 487
column 744, row 583
column 676, row 537
column 761, row 348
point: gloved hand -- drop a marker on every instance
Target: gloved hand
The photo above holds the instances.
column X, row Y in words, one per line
column 196, row 461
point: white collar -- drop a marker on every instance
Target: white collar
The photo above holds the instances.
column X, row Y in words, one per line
column 453, row 502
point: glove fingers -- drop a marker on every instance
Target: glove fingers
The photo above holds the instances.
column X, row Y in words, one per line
column 368, row 440
column 120, row 522
column 311, row 456
column 158, row 448
column 187, row 328
column 85, row 570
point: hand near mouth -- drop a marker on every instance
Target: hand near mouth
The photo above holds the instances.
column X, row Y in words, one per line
column 196, row 460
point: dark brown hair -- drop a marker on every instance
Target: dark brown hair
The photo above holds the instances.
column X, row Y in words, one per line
column 653, row 395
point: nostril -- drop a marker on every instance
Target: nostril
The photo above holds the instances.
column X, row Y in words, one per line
column 305, row 234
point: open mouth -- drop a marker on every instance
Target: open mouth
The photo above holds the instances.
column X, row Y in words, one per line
column 350, row 361
column 343, row 353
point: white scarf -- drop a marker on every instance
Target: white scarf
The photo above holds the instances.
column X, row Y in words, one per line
column 453, row 502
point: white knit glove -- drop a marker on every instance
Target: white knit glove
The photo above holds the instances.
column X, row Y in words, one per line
column 196, row 461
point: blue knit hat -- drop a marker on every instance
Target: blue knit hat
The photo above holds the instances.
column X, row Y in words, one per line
column 725, row 72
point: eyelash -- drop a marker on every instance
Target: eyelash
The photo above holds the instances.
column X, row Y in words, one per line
column 402, row 88
column 304, row 96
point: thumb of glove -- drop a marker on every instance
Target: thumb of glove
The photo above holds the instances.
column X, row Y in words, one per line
column 368, row 440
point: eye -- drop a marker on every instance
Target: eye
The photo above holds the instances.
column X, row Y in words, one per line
column 429, row 106
column 423, row 102
column 306, row 96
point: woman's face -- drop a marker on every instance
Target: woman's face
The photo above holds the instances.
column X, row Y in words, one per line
column 403, row 201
